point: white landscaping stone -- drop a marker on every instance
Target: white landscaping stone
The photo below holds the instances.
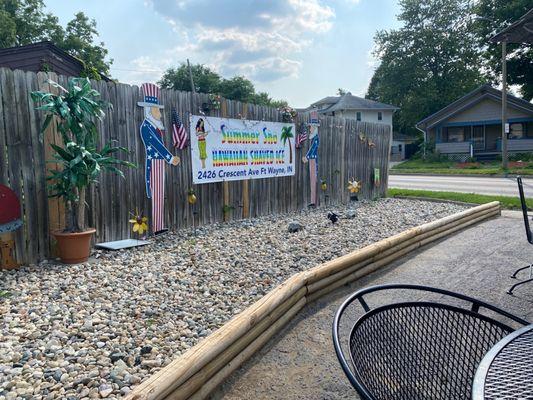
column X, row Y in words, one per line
column 98, row 329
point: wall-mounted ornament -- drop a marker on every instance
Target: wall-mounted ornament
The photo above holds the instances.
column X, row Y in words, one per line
column 353, row 187
column 362, row 137
column 371, row 144
column 191, row 197
column 377, row 177
column 288, row 114
column 10, row 221
column 152, row 134
column 215, row 101
column 139, row 223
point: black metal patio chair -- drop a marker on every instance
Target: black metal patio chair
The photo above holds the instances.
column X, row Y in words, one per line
column 529, row 237
column 418, row 349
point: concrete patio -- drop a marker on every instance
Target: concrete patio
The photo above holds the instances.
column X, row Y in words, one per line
column 300, row 363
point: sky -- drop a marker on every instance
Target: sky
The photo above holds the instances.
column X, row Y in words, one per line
column 296, row 50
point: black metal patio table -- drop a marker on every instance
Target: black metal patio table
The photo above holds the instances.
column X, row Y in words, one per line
column 506, row 371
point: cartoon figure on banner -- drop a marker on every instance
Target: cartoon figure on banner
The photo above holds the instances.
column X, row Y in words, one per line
column 10, row 221
column 201, row 134
column 152, row 134
column 312, row 155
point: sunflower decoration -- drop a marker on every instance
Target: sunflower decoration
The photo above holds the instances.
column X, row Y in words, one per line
column 139, row 223
column 323, row 185
column 191, row 196
column 354, row 186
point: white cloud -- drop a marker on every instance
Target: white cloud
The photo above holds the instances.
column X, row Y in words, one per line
column 259, row 39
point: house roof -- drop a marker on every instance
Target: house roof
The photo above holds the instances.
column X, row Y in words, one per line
column 520, row 31
column 470, row 99
column 31, row 57
column 350, row 102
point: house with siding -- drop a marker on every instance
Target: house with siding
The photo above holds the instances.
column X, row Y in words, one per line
column 358, row 108
column 472, row 125
column 42, row 56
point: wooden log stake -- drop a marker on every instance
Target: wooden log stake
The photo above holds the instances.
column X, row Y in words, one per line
column 244, row 355
column 197, row 381
column 167, row 380
column 376, row 265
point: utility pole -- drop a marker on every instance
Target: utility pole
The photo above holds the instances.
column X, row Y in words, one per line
column 505, row 156
column 190, row 76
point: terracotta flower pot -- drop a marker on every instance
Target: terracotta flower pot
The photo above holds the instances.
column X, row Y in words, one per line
column 74, row 248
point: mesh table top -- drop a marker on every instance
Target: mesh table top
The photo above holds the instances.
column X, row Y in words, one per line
column 506, row 371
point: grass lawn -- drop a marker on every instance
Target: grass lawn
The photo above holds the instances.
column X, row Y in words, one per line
column 511, row 203
column 419, row 166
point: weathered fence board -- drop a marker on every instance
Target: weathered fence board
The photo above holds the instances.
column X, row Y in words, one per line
column 24, row 152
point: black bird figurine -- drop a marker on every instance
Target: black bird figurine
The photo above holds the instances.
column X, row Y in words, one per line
column 333, row 217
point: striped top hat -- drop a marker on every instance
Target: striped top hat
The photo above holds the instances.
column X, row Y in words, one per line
column 313, row 117
column 151, row 96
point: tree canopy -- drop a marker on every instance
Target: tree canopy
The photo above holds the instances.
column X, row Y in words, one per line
column 24, row 22
column 430, row 61
column 208, row 81
column 491, row 17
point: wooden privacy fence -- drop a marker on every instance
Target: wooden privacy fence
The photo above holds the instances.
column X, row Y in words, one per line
column 24, row 151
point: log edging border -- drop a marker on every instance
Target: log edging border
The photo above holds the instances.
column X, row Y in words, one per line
column 197, row 372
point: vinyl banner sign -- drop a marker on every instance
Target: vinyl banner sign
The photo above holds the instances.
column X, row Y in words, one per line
column 224, row 149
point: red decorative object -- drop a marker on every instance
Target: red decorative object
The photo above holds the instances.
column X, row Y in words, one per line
column 10, row 215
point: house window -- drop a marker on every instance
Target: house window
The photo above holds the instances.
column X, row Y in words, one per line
column 380, row 116
column 400, row 148
column 516, row 131
column 455, row 134
column 358, row 115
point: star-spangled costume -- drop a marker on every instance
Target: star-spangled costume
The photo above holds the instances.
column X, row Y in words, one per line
column 156, row 155
column 155, row 150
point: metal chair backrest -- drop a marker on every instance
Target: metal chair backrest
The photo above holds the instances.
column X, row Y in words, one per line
column 524, row 209
column 418, row 349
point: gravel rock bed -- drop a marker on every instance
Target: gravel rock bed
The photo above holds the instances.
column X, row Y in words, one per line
column 97, row 329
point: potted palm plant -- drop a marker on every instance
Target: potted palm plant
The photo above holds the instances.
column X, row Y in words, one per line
column 79, row 160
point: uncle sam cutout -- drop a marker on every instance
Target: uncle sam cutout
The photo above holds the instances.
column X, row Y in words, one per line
column 312, row 154
column 157, row 154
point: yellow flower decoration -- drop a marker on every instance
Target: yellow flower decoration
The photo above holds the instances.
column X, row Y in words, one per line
column 140, row 224
column 354, row 186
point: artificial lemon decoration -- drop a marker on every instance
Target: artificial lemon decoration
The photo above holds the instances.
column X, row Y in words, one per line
column 191, row 197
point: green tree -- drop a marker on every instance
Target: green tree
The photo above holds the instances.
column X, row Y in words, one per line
column 208, row 81
column 427, row 63
column 80, row 41
column 237, row 88
column 24, row 22
column 493, row 16
column 205, row 79
column 341, row 91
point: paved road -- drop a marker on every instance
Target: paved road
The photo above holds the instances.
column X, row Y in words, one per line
column 482, row 185
column 300, row 363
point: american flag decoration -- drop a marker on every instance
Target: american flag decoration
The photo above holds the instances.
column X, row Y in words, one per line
column 179, row 134
column 301, row 136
